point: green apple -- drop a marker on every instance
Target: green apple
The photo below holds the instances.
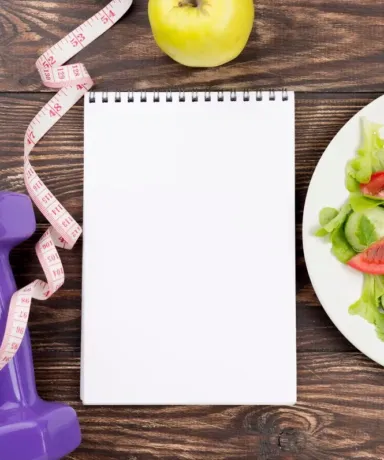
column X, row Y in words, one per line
column 201, row 33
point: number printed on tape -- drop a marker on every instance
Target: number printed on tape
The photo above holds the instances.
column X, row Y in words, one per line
column 73, row 81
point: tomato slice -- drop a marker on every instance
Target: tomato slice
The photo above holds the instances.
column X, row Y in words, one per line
column 371, row 260
column 375, row 186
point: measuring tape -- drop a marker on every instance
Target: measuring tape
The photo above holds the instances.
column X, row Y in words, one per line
column 73, row 81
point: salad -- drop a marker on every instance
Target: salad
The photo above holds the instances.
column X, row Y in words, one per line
column 356, row 230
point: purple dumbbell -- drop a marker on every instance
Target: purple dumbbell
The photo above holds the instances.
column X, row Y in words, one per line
column 30, row 428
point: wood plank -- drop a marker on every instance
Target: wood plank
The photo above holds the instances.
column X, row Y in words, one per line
column 299, row 44
column 338, row 416
column 55, row 323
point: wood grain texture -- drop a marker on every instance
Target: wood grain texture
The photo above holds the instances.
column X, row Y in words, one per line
column 307, row 45
column 338, row 416
column 299, row 44
column 58, row 159
column 341, row 397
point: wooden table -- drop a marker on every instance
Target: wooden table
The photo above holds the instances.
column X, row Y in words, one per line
column 332, row 53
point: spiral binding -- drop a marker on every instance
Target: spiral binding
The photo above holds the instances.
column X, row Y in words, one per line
column 208, row 96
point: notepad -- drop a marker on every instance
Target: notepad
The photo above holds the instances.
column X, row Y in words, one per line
column 189, row 249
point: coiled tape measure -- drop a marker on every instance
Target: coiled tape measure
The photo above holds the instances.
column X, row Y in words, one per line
column 73, row 81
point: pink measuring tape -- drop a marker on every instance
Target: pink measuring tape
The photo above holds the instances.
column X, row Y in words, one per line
column 73, row 81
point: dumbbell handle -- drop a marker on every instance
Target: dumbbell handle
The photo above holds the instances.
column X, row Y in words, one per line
column 17, row 380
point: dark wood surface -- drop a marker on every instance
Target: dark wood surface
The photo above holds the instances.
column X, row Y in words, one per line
column 320, row 45
column 332, row 53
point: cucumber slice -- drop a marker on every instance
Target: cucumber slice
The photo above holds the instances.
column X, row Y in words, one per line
column 350, row 231
column 352, row 227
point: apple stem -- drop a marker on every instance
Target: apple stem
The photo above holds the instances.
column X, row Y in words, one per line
column 193, row 3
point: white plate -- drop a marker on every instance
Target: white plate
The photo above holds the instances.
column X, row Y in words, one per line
column 337, row 286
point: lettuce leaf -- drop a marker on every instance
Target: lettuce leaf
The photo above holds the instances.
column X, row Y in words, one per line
column 361, row 203
column 369, row 159
column 370, row 304
column 332, row 223
column 366, row 306
column 341, row 248
column 326, row 215
column 366, row 233
column 331, row 219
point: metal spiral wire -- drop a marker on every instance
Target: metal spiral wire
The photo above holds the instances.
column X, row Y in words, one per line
column 193, row 96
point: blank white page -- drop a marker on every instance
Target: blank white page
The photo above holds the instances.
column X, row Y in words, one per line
column 189, row 250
